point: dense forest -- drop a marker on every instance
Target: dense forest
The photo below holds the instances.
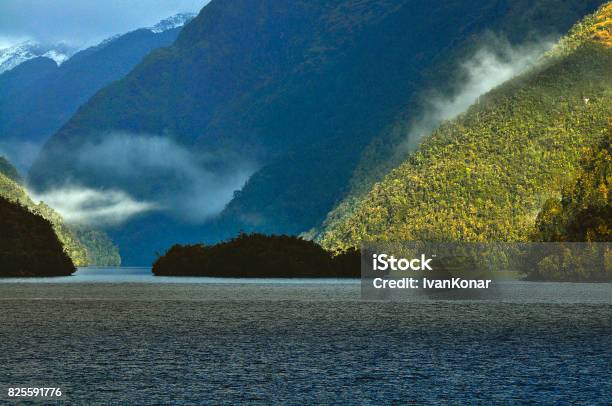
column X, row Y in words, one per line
column 296, row 90
column 485, row 175
column 28, row 244
column 583, row 214
column 258, row 255
column 83, row 245
column 342, row 89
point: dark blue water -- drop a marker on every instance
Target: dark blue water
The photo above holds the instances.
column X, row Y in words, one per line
column 122, row 337
column 144, row 275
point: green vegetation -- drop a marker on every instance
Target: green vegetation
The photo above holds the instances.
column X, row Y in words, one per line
column 101, row 251
column 83, row 246
column 301, row 88
column 257, row 255
column 584, row 212
column 28, row 244
column 596, row 27
column 485, row 175
column 16, row 193
column 567, row 262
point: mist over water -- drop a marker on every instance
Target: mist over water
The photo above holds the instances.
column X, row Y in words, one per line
column 82, row 205
column 124, row 174
column 128, row 174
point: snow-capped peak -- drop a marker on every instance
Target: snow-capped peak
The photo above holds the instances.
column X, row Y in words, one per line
column 175, row 21
column 58, row 57
column 14, row 55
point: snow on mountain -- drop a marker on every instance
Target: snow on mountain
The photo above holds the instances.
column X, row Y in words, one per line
column 175, row 21
column 58, row 57
column 21, row 52
column 16, row 54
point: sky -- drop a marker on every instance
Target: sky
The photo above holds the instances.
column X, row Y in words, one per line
column 81, row 23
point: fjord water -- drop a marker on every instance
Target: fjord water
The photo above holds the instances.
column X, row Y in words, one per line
column 117, row 336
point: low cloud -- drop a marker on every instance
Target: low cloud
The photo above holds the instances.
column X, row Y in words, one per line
column 80, row 205
column 9, row 41
column 488, row 68
column 124, row 174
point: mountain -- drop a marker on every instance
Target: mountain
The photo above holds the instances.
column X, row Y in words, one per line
column 485, row 175
column 172, row 22
column 83, row 246
column 12, row 56
column 296, row 91
column 28, row 245
column 38, row 96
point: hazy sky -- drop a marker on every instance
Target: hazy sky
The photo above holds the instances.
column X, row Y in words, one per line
column 82, row 22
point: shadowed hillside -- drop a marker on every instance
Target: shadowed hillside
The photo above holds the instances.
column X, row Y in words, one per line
column 37, row 97
column 7, row 169
column 298, row 89
column 257, row 256
column 83, row 246
column 28, row 244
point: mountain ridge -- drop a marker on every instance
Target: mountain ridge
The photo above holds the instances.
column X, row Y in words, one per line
column 13, row 56
column 38, row 96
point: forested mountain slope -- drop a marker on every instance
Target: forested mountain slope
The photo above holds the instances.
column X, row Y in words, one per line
column 38, row 96
column 83, row 246
column 486, row 175
column 296, row 89
column 584, row 212
column 28, row 245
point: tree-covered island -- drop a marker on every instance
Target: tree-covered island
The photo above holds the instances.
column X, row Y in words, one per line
column 258, row 256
